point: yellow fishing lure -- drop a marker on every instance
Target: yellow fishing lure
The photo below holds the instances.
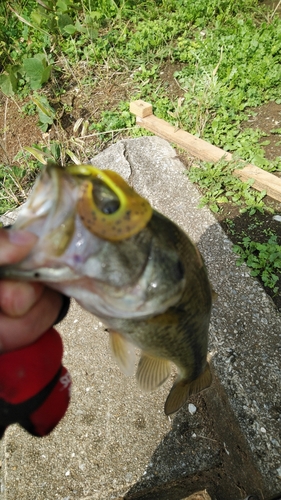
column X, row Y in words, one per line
column 130, row 216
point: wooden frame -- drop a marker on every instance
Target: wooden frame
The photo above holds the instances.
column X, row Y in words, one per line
column 202, row 149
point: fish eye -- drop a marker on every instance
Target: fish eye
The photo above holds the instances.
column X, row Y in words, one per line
column 109, row 207
column 104, row 198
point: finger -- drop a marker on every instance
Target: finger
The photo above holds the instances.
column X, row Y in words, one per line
column 17, row 298
column 18, row 332
column 15, row 245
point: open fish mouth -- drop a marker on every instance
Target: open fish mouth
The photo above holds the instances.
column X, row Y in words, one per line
column 107, row 206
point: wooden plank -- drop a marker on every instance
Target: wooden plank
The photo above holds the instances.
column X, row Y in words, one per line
column 197, row 147
column 263, row 180
column 203, row 150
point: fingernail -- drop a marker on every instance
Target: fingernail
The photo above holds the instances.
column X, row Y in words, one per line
column 21, row 238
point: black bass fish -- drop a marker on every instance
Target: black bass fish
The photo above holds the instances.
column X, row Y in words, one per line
column 102, row 244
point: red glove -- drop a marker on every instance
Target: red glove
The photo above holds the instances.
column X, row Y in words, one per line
column 34, row 386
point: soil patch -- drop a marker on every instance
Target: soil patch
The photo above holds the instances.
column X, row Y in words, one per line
column 268, row 119
column 17, row 130
column 167, row 77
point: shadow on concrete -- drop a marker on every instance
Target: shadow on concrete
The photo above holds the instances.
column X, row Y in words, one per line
column 205, row 450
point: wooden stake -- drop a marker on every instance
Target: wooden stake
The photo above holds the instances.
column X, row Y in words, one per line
column 141, row 108
column 203, row 150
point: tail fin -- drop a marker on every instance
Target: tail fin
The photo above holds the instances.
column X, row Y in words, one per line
column 183, row 388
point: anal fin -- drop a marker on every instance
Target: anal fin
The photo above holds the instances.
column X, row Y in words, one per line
column 183, row 389
column 123, row 352
column 152, row 372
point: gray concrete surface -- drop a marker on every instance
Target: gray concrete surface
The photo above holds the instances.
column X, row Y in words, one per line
column 115, row 441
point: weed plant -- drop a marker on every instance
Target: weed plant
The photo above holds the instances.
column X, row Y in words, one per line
column 220, row 186
column 264, row 259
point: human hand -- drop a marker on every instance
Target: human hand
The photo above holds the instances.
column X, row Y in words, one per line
column 27, row 310
column 34, row 385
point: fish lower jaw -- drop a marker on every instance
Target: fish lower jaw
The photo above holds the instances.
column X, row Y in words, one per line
column 115, row 309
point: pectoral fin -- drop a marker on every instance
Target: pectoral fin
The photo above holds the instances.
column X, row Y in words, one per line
column 182, row 389
column 152, row 372
column 123, row 352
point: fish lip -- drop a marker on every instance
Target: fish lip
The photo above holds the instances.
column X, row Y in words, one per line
column 39, row 204
column 63, row 273
column 55, row 173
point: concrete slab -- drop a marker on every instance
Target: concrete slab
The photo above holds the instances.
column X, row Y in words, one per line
column 115, row 441
column 245, row 334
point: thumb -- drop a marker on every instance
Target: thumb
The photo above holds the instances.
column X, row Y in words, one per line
column 15, row 245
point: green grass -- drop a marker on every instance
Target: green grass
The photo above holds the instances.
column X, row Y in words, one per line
column 229, row 55
column 15, row 183
column 264, row 259
column 220, row 186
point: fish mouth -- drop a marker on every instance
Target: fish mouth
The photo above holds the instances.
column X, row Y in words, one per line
column 106, row 205
column 49, row 211
column 44, row 198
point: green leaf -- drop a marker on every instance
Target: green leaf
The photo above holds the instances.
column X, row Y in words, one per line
column 264, row 143
column 62, row 6
column 222, row 199
column 12, row 71
column 275, row 131
column 39, row 155
column 36, row 17
column 69, row 29
column 36, row 71
column 43, row 126
column 46, row 74
column 214, row 207
column 44, row 107
column 45, row 119
column 63, row 21
column 6, row 85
